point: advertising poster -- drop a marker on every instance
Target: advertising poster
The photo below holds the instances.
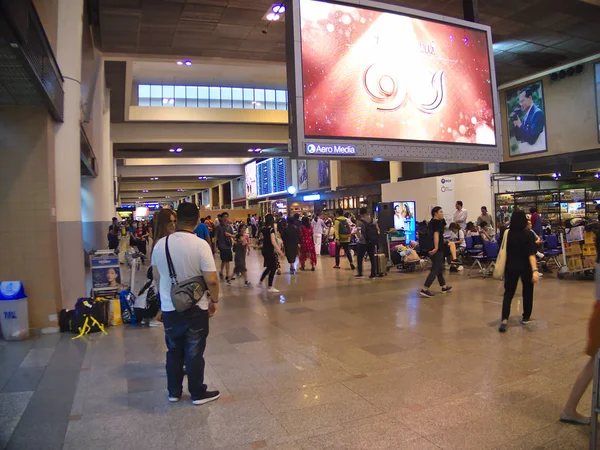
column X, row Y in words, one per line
column 597, row 78
column 379, row 75
column 106, row 272
column 250, row 172
column 302, row 175
column 324, row 175
column 526, row 119
column 404, row 218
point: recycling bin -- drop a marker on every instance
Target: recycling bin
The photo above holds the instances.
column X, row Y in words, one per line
column 14, row 318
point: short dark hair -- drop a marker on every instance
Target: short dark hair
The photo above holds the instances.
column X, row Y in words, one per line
column 532, row 210
column 454, row 226
column 306, row 221
column 458, row 202
column 435, row 210
column 363, row 211
column 527, row 91
column 290, row 220
column 518, row 221
column 483, row 224
column 114, row 218
column 202, row 220
column 269, row 220
column 225, row 214
column 339, row 212
column 484, row 207
column 187, row 214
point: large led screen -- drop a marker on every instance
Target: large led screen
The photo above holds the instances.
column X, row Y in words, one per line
column 526, row 119
column 597, row 78
column 250, row 172
column 368, row 74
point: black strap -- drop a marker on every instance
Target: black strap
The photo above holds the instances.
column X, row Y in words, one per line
column 172, row 273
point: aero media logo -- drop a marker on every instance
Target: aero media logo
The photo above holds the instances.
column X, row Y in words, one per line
column 311, row 148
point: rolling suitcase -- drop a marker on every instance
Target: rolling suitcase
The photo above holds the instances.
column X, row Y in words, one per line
column 380, row 264
column 332, row 247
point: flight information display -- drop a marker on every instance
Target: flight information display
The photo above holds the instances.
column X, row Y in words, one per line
column 271, row 177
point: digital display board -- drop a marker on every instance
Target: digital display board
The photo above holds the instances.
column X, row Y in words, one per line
column 264, row 178
column 404, row 218
column 250, row 172
column 374, row 75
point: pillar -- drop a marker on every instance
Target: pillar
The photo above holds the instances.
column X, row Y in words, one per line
column 334, row 174
column 97, row 194
column 395, row 171
column 67, row 155
column 220, row 196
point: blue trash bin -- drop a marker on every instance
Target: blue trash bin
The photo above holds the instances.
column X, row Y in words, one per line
column 14, row 317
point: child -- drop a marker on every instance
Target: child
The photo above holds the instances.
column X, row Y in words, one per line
column 241, row 248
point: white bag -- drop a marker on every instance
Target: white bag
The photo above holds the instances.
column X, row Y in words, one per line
column 501, row 259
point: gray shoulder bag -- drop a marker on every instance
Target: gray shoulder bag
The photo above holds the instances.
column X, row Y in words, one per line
column 187, row 293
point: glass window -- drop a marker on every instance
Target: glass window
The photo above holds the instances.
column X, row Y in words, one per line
column 237, row 95
column 168, row 93
column 180, row 96
column 270, row 99
column 259, row 99
column 144, row 95
column 215, row 97
column 248, row 98
column 191, row 94
column 156, row 95
column 281, row 100
column 225, row 97
column 202, row 97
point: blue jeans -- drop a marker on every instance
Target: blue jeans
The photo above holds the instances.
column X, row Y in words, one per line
column 185, row 336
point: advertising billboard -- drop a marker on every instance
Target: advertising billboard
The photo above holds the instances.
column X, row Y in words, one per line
column 302, row 175
column 377, row 80
column 250, row 176
column 404, row 218
column 526, row 119
column 597, row 91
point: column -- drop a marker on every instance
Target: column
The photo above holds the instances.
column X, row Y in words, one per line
column 71, row 267
column 97, row 194
column 395, row 171
column 220, row 196
column 334, row 174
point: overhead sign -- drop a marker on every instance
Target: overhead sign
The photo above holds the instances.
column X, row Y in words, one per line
column 312, row 198
column 330, row 149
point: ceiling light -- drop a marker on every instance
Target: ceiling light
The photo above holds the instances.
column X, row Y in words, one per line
column 180, row 63
column 278, row 9
column 165, row 101
column 145, row 191
column 519, row 178
column 202, row 178
column 597, row 175
column 172, row 150
column 256, row 103
column 251, row 150
column 178, row 150
column 258, row 150
column 273, row 17
column 171, row 101
column 187, row 62
column 291, row 190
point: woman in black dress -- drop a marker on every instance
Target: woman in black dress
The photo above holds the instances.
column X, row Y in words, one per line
column 520, row 263
column 269, row 251
column 291, row 240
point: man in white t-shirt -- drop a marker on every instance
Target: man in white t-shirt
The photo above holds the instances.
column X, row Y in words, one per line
column 460, row 216
column 186, row 332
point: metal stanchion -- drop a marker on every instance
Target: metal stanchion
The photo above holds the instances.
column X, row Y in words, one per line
column 595, row 408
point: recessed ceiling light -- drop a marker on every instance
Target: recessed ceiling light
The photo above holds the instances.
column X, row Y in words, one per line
column 171, row 101
column 257, row 150
column 250, row 150
column 278, row 9
column 165, row 101
column 202, row 178
column 273, row 17
column 187, row 62
column 180, row 63
column 172, row 150
column 178, row 150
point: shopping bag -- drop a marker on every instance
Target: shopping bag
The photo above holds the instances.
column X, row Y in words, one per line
column 501, row 259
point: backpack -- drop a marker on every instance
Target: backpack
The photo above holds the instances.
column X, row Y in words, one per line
column 344, row 229
column 425, row 239
column 371, row 234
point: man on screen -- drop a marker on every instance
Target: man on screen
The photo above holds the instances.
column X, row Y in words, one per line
column 529, row 129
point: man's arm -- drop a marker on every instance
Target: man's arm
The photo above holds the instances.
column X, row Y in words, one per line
column 532, row 133
column 212, row 283
column 436, row 243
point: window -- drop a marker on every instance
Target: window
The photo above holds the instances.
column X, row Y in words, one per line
column 215, row 97
column 191, row 95
column 248, row 98
column 211, row 97
column 144, row 95
column 281, row 99
column 202, row 97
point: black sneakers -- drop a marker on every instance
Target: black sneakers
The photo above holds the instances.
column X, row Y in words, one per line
column 426, row 293
column 209, row 396
column 446, row 289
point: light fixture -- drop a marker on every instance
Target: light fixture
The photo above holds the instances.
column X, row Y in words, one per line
column 180, row 63
column 154, row 178
column 519, row 178
column 145, row 191
column 250, row 150
column 202, row 178
column 172, row 150
column 165, row 101
column 187, row 63
column 278, row 9
column 178, row 150
column 258, row 150
column 256, row 103
column 272, row 17
column 171, row 101
column 292, row 190
column 597, row 175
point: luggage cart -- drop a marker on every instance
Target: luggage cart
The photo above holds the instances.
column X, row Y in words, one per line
column 564, row 267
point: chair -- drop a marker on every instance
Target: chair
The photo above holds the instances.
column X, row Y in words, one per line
column 490, row 254
column 552, row 250
column 470, row 247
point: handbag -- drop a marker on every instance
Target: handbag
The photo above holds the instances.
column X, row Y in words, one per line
column 501, row 259
column 187, row 293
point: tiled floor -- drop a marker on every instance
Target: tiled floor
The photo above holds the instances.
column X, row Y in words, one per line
column 330, row 363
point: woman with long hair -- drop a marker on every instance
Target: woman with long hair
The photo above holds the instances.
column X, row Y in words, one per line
column 270, row 250
column 291, row 241
column 520, row 263
column 165, row 223
column 307, row 244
